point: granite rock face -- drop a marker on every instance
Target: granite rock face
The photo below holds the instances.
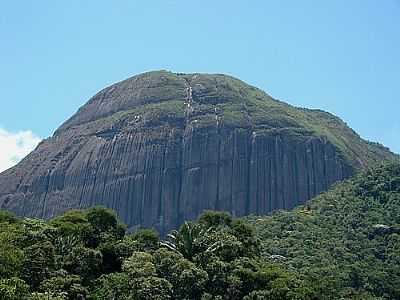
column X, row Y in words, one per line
column 160, row 148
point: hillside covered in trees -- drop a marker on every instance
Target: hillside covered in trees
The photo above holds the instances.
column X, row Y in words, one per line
column 346, row 241
column 344, row 244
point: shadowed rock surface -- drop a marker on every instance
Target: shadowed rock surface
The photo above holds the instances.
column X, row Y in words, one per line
column 161, row 147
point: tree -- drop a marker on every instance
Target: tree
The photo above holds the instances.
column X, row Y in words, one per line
column 84, row 262
column 181, row 273
column 217, row 271
column 13, row 289
column 148, row 239
column 215, row 218
column 185, row 241
column 8, row 217
column 143, row 278
column 151, row 288
column 139, row 264
column 102, row 218
column 38, row 264
column 11, row 255
column 104, row 227
column 112, row 286
column 68, row 286
column 73, row 223
column 45, row 296
column 111, row 261
column 246, row 234
column 37, row 231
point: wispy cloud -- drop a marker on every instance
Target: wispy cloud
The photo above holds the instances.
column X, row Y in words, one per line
column 14, row 146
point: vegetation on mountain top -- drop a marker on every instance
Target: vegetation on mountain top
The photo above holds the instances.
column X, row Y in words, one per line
column 228, row 101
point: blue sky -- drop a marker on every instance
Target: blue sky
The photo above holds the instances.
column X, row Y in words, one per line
column 340, row 56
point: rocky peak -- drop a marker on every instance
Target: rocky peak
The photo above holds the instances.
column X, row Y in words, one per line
column 161, row 147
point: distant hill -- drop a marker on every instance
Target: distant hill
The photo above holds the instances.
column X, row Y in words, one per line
column 346, row 240
column 160, row 147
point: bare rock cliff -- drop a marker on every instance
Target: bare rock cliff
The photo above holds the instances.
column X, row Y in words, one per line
column 161, row 147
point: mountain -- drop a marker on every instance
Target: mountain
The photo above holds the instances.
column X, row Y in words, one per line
column 346, row 240
column 161, row 147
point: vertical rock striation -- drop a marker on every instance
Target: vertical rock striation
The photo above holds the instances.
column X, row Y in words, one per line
column 160, row 148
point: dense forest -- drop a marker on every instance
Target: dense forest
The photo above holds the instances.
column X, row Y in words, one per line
column 344, row 244
column 346, row 241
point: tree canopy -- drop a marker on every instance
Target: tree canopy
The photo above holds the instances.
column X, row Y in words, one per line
column 344, row 244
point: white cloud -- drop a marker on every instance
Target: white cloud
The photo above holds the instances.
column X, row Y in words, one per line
column 14, row 146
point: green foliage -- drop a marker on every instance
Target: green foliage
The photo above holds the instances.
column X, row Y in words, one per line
column 11, row 254
column 112, row 286
column 345, row 244
column 45, row 296
column 37, row 231
column 66, row 286
column 139, row 281
column 148, row 239
column 72, row 223
column 8, row 217
column 184, row 240
column 39, row 262
column 151, row 288
column 345, row 241
column 13, row 289
column 140, row 264
column 245, row 233
column 215, row 218
column 101, row 218
column 86, row 255
column 60, row 259
column 84, row 262
column 124, row 248
column 181, row 273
